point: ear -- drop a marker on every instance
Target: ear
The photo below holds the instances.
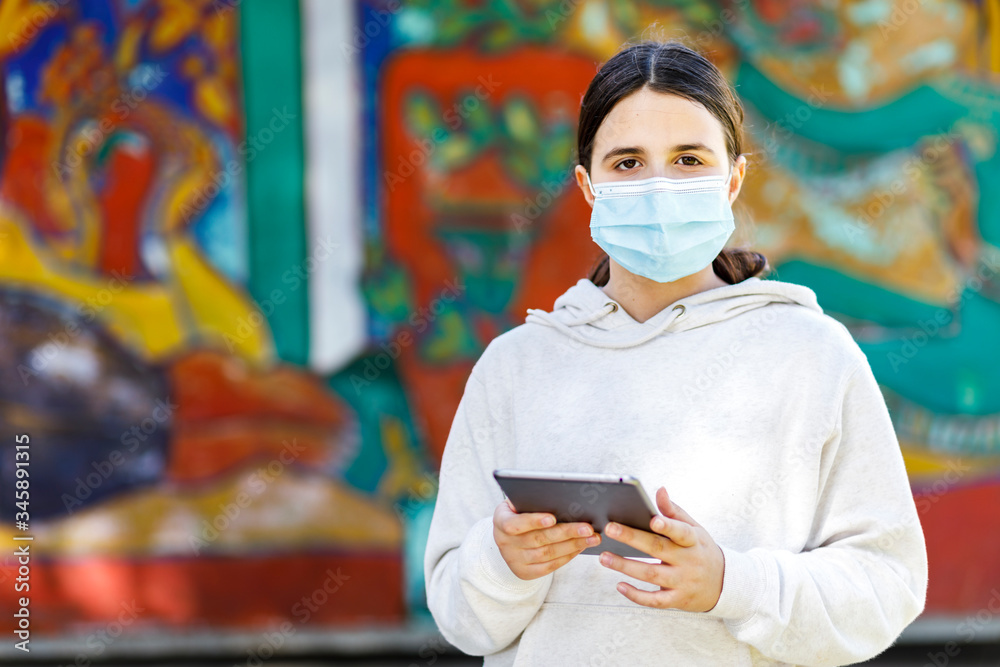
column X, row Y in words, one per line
column 739, row 173
column 581, row 181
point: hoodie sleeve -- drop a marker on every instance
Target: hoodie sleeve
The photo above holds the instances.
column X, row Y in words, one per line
column 478, row 603
column 862, row 577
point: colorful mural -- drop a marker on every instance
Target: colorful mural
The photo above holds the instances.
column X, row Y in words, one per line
column 181, row 460
column 160, row 292
column 872, row 128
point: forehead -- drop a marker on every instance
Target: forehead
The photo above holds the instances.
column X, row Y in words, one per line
column 658, row 121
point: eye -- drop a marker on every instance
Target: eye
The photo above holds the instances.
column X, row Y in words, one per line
column 627, row 163
column 692, row 163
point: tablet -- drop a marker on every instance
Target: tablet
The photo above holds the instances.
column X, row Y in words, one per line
column 593, row 498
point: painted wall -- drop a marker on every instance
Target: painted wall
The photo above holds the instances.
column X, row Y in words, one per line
column 155, row 264
column 250, row 251
column 873, row 136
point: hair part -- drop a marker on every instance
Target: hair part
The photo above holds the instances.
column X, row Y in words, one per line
column 674, row 69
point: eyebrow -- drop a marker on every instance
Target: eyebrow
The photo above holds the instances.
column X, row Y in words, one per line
column 638, row 150
column 623, row 150
column 693, row 147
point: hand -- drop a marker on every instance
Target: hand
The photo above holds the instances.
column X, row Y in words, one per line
column 534, row 545
column 692, row 564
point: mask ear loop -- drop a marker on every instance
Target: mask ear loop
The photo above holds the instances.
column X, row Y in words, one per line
column 592, row 190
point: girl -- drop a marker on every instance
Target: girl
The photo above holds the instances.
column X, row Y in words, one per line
column 788, row 532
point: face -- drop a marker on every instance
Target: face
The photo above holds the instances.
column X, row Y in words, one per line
column 650, row 134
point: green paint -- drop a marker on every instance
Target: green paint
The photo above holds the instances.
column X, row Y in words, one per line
column 489, row 263
column 450, row 339
column 272, row 83
column 889, row 126
column 949, row 369
column 387, row 291
column 534, row 151
column 989, row 198
column 371, row 393
column 854, row 298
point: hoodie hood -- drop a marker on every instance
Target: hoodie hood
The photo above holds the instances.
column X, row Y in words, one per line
column 588, row 315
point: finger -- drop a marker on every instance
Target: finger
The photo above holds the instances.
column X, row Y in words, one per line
column 655, row 599
column 552, row 565
column 519, row 524
column 671, row 509
column 558, row 550
column 655, row 545
column 557, row 533
column 678, row 532
column 660, row 574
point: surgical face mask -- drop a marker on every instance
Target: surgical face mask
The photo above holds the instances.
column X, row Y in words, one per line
column 662, row 228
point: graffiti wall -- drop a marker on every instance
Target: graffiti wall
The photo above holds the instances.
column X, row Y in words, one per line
column 873, row 134
column 246, row 268
column 184, row 459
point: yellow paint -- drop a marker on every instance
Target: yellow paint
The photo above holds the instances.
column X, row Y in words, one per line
column 403, row 471
column 217, row 308
column 282, row 509
column 141, row 316
column 177, row 20
column 146, row 317
column 993, row 28
column 192, row 191
column 217, row 31
column 923, row 464
column 127, row 54
column 212, row 99
column 18, row 21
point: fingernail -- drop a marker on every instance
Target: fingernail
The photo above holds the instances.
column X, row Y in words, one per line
column 549, row 521
column 593, row 540
column 659, row 524
column 605, row 558
column 612, row 529
column 583, row 531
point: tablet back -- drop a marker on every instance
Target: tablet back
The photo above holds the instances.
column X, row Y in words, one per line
column 594, row 499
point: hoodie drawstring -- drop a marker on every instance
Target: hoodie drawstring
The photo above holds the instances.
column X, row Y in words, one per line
column 547, row 319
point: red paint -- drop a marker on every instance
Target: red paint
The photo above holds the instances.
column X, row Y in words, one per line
column 962, row 529
column 29, row 144
column 128, row 176
column 228, row 414
column 244, row 592
column 415, row 206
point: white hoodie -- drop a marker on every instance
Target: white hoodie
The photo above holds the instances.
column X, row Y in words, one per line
column 760, row 415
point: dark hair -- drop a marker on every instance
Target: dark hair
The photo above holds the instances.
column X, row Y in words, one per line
column 667, row 67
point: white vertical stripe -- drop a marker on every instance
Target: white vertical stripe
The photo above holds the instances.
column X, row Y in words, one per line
column 337, row 315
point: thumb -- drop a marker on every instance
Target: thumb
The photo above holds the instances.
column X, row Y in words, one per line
column 670, row 509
